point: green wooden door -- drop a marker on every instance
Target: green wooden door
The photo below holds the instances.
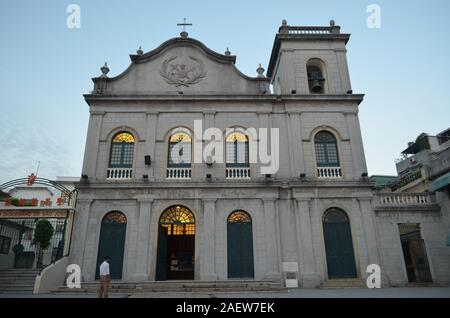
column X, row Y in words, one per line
column 338, row 245
column 240, row 249
column 161, row 257
column 112, row 244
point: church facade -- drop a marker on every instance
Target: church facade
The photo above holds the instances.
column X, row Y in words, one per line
column 151, row 202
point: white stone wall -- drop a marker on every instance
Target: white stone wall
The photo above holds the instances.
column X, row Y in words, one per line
column 286, row 212
column 433, row 233
column 290, row 68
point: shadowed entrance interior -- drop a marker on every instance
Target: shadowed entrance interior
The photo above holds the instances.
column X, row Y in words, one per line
column 176, row 244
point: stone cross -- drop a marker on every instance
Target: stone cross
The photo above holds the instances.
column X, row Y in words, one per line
column 184, row 24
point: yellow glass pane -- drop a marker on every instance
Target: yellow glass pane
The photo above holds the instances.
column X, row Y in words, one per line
column 123, row 137
column 178, row 137
column 236, row 136
column 115, row 217
column 177, row 214
column 239, row 217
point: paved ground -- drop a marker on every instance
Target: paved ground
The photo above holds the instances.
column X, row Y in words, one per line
column 415, row 292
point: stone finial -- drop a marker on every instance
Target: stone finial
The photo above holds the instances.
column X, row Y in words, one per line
column 139, row 51
column 227, row 52
column 105, row 70
column 260, row 70
column 184, row 34
column 335, row 29
column 284, row 27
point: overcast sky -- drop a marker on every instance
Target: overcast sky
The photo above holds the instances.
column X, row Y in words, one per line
column 45, row 67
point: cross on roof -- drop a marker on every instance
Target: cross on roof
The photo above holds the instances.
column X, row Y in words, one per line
column 184, row 24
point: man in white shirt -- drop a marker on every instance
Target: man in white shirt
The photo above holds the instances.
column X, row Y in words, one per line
column 104, row 279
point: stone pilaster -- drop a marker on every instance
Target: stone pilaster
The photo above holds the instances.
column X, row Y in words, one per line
column 356, row 145
column 272, row 240
column 369, row 227
column 310, row 278
column 143, row 239
column 92, row 144
column 208, row 271
column 78, row 243
column 150, row 142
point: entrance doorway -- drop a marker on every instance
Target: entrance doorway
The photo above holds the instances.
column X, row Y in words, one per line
column 414, row 254
column 240, row 245
column 176, row 244
column 112, row 243
column 338, row 244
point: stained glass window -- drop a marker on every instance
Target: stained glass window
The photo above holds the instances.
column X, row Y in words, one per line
column 237, row 150
column 326, row 149
column 180, row 150
column 239, row 217
column 122, row 151
column 335, row 215
column 123, row 137
column 179, row 137
column 115, row 217
column 178, row 220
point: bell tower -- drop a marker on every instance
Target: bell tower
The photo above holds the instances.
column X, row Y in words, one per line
column 309, row 60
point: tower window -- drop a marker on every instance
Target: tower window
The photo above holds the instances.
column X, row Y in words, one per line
column 326, row 149
column 315, row 80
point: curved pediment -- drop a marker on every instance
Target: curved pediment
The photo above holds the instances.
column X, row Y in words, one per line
column 181, row 65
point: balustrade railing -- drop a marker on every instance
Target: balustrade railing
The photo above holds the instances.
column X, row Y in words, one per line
column 119, row 173
column 329, row 172
column 178, row 173
column 237, row 173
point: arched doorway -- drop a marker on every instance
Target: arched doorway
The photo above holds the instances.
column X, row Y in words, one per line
column 176, row 244
column 112, row 243
column 338, row 244
column 240, row 245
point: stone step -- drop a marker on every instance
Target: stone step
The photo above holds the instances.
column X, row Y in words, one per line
column 17, row 281
column 17, row 289
column 180, row 286
column 343, row 283
column 19, row 271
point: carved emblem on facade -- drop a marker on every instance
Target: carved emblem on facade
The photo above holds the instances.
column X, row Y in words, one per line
column 179, row 74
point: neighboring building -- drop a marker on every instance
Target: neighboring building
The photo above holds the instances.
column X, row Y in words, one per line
column 381, row 182
column 426, row 168
column 160, row 215
column 28, row 201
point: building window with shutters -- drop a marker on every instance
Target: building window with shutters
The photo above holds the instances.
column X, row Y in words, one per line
column 327, row 156
column 179, row 155
column 237, row 156
column 121, row 156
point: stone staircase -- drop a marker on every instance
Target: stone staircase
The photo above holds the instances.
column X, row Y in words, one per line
column 343, row 283
column 179, row 287
column 17, row 281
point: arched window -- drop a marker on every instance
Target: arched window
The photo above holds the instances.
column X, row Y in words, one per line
column 122, row 150
column 316, row 80
column 326, row 149
column 237, row 150
column 335, row 215
column 180, row 150
column 239, row 217
column 115, row 217
column 178, row 220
